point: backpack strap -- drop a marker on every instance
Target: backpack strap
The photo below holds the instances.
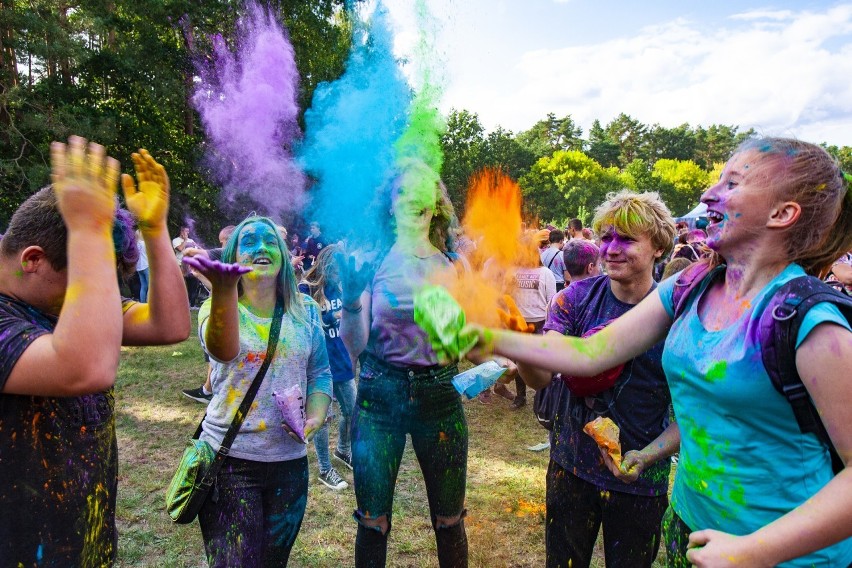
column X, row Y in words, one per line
column 552, row 258
column 688, row 282
column 779, row 328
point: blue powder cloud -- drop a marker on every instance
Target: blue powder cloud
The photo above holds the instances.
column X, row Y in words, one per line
column 351, row 129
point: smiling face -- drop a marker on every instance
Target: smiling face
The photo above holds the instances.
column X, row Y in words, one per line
column 258, row 248
column 628, row 258
column 414, row 207
column 739, row 205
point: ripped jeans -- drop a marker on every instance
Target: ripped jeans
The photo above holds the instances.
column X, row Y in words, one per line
column 254, row 512
column 391, row 403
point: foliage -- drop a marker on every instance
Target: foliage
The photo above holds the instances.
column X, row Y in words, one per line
column 557, row 186
column 552, row 134
column 120, row 73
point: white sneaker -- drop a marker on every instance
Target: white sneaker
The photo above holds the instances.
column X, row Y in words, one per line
column 333, row 480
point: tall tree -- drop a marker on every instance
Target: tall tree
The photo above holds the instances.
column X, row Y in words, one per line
column 557, row 187
column 601, row 147
column 463, row 145
column 552, row 134
column 629, row 134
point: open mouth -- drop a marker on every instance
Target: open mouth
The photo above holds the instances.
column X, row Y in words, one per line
column 262, row 261
column 715, row 216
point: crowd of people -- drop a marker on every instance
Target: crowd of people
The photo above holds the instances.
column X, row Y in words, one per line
column 652, row 324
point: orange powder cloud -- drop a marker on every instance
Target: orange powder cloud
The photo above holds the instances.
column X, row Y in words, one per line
column 493, row 222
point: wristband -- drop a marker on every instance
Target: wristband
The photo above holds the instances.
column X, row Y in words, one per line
column 353, row 310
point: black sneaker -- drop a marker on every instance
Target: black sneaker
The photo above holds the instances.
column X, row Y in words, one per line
column 345, row 458
column 198, row 395
column 333, row 480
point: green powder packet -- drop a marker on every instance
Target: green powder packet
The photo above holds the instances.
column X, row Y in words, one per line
column 442, row 318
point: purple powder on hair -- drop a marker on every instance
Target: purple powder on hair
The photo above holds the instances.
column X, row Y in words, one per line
column 247, row 102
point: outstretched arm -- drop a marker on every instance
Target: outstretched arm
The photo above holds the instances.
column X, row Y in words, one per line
column 165, row 318
column 81, row 355
column 222, row 328
column 627, row 337
column 823, row 361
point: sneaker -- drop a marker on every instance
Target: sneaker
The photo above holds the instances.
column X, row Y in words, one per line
column 198, row 395
column 332, row 479
column 345, row 458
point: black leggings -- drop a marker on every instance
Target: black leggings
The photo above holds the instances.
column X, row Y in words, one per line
column 576, row 510
column 391, row 403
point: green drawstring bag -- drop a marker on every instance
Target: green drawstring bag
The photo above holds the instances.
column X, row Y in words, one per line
column 442, row 318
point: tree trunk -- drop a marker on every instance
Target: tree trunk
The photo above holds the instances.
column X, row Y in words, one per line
column 189, row 47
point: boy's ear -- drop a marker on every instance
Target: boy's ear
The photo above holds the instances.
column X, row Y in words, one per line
column 31, row 258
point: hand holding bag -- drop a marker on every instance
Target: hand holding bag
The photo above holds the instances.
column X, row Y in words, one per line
column 199, row 464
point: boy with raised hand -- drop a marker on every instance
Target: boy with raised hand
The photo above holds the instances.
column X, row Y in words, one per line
column 61, row 326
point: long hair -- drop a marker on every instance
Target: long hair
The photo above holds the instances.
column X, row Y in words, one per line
column 317, row 277
column 806, row 174
column 444, row 219
column 286, row 289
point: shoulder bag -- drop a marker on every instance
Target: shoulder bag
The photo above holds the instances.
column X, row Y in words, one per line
column 199, row 464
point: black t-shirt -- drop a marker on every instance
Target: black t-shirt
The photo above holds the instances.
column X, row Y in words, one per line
column 313, row 246
column 638, row 403
column 58, row 463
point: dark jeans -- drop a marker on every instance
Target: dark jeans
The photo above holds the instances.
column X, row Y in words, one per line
column 391, row 403
column 577, row 509
column 254, row 513
column 675, row 540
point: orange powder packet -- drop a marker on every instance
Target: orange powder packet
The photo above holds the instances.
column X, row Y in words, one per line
column 605, row 433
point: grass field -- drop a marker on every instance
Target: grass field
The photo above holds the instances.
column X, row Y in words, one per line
column 505, row 491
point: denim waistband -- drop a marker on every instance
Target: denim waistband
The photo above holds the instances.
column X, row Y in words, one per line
column 435, row 372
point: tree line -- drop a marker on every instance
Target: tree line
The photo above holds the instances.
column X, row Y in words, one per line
column 121, row 72
column 563, row 174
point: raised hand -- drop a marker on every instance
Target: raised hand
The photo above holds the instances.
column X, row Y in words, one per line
column 354, row 279
column 84, row 180
column 511, row 317
column 150, row 202
column 220, row 274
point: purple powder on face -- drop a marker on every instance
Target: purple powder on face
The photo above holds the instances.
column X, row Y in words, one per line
column 247, row 102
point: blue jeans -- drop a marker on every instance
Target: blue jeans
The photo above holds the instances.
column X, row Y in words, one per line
column 391, row 403
column 344, row 392
column 254, row 513
column 143, row 285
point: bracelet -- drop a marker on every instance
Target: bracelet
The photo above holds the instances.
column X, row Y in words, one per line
column 353, row 310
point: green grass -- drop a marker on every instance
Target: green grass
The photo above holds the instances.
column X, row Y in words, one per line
column 505, row 490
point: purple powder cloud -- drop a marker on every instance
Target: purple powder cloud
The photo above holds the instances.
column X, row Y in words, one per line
column 247, row 102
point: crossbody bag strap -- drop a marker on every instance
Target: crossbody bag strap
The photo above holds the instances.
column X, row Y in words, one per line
column 242, row 411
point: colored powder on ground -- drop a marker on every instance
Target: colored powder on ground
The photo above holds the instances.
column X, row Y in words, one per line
column 350, row 131
column 247, row 102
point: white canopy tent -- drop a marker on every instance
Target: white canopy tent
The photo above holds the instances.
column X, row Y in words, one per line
column 699, row 211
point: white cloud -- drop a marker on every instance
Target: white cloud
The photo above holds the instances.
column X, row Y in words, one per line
column 780, row 72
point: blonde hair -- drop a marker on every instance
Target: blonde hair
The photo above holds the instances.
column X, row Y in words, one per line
column 634, row 214
column 317, row 276
column 808, row 175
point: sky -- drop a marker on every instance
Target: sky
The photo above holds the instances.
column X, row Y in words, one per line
column 783, row 68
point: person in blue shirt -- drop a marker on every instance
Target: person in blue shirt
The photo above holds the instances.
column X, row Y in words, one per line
column 751, row 489
column 322, row 283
